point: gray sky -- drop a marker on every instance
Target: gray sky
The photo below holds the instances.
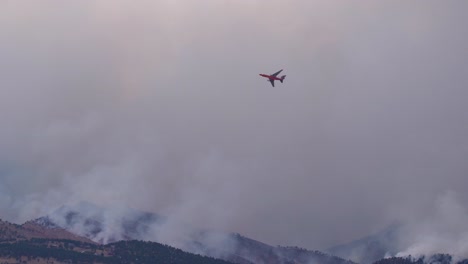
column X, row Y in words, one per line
column 158, row 105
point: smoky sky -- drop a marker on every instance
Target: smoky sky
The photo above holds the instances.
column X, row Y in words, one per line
column 157, row 105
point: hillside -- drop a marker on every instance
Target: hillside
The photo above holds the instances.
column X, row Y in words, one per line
column 29, row 230
column 35, row 243
column 254, row 251
column 66, row 251
column 105, row 225
column 435, row 259
column 102, row 225
column 371, row 248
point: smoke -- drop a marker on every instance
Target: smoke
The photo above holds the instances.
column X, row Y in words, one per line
column 110, row 224
column 157, row 105
column 443, row 230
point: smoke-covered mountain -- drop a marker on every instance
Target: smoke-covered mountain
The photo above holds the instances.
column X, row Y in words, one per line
column 246, row 250
column 371, row 248
column 30, row 230
column 31, row 243
column 43, row 241
column 104, row 225
column 385, row 247
column 434, row 259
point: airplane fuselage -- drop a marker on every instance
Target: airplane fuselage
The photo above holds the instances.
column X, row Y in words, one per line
column 270, row 77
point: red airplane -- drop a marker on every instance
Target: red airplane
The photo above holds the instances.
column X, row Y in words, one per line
column 272, row 78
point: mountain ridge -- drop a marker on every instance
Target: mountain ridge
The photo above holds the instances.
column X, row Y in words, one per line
column 104, row 225
column 29, row 230
column 368, row 249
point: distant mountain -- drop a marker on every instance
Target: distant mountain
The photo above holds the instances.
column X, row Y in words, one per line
column 245, row 250
column 47, row 239
column 71, row 251
column 104, row 225
column 369, row 249
column 381, row 248
column 29, row 230
column 435, row 259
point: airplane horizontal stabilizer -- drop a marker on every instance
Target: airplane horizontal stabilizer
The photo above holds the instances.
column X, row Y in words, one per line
column 282, row 78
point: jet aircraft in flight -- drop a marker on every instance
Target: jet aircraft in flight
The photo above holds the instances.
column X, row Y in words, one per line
column 272, row 78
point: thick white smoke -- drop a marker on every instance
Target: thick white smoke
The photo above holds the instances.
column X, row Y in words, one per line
column 443, row 230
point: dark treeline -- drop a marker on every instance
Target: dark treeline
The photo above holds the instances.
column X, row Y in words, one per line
column 120, row 252
column 434, row 259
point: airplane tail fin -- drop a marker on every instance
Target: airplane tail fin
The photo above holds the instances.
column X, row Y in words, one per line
column 282, row 78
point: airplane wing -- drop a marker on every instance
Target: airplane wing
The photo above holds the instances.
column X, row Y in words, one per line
column 276, row 73
column 272, row 82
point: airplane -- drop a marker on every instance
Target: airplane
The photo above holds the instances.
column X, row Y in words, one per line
column 272, row 78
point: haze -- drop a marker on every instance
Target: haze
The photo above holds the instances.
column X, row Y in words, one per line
column 158, row 105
